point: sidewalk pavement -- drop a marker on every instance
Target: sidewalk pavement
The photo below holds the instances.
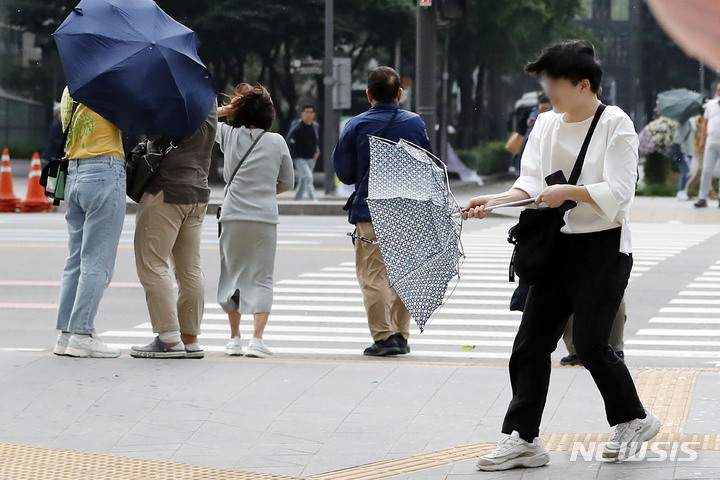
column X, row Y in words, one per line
column 393, row 418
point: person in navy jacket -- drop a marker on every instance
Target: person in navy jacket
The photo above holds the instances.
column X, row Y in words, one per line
column 388, row 319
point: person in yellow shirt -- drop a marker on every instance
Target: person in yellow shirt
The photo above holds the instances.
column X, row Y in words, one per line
column 95, row 198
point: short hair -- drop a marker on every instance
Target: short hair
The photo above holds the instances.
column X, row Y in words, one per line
column 573, row 60
column 383, row 84
column 305, row 107
column 543, row 98
column 251, row 105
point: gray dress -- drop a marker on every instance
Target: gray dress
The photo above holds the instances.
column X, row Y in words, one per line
column 249, row 217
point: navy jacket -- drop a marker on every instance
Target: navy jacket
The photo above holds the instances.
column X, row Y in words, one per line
column 352, row 153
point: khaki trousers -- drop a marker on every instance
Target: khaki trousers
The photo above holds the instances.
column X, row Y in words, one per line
column 168, row 233
column 616, row 334
column 385, row 311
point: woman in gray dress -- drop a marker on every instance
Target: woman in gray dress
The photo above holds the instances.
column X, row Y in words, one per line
column 262, row 167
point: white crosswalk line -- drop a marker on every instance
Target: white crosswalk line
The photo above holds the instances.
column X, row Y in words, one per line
column 683, row 320
column 321, row 312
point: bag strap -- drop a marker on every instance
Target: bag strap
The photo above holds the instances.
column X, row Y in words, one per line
column 577, row 169
column 66, row 133
column 242, row 160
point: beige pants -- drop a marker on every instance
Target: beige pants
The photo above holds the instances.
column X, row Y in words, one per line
column 166, row 233
column 616, row 334
column 385, row 311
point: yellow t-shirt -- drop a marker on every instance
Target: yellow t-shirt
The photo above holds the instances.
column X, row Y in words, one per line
column 90, row 134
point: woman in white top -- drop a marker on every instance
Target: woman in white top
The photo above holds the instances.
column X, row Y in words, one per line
column 591, row 262
column 249, row 218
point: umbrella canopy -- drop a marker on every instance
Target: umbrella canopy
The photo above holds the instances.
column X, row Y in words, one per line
column 412, row 212
column 134, row 65
column 680, row 104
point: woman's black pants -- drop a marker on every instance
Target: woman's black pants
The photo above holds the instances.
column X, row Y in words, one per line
column 588, row 278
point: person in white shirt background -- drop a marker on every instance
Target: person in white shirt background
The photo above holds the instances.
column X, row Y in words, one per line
column 710, row 137
column 591, row 261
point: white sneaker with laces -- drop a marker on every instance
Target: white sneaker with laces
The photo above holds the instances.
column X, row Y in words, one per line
column 682, row 196
column 258, row 349
column 234, row 347
column 512, row 451
column 62, row 344
column 628, row 437
column 92, row 346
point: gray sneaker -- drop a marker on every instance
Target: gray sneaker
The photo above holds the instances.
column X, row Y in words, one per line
column 511, row 452
column 91, row 346
column 157, row 349
column 628, row 437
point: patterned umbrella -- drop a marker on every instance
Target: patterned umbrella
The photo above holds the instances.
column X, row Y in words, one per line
column 416, row 223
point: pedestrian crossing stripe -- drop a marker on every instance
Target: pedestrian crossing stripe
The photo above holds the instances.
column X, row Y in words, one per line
column 327, row 303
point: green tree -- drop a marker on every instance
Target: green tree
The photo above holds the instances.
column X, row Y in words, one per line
column 494, row 38
column 251, row 41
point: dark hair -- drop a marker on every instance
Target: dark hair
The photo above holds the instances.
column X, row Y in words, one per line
column 573, row 60
column 308, row 106
column 543, row 98
column 383, row 84
column 251, row 105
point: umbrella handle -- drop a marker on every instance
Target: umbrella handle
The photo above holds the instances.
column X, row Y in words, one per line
column 518, row 203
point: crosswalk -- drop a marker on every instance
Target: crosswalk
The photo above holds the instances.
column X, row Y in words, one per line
column 321, row 313
column 688, row 326
column 52, row 229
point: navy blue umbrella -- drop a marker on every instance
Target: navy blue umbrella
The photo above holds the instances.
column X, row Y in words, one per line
column 134, row 65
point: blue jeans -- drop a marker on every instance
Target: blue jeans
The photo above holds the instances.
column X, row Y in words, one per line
column 95, row 197
column 684, row 171
column 710, row 159
column 305, row 182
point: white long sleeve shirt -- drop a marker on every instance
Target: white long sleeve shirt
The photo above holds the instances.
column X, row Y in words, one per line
column 609, row 172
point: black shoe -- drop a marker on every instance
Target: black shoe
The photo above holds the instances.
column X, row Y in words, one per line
column 621, row 354
column 402, row 343
column 572, row 360
column 701, row 203
column 381, row 348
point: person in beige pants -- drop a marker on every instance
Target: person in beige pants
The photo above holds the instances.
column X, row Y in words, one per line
column 388, row 319
column 616, row 338
column 387, row 315
column 168, row 229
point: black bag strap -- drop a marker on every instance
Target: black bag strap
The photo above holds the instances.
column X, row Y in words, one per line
column 242, row 160
column 577, row 169
column 66, row 133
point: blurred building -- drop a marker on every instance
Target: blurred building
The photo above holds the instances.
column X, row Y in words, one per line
column 617, row 25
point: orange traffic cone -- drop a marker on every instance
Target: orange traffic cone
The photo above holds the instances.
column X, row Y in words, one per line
column 8, row 201
column 36, row 201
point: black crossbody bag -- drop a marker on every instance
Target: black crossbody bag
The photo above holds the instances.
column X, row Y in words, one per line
column 538, row 229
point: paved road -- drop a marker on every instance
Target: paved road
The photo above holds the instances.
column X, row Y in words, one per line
column 673, row 299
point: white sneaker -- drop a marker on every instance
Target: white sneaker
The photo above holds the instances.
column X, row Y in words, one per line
column 62, row 344
column 682, row 196
column 628, row 437
column 512, row 451
column 234, row 347
column 258, row 349
column 90, row 346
